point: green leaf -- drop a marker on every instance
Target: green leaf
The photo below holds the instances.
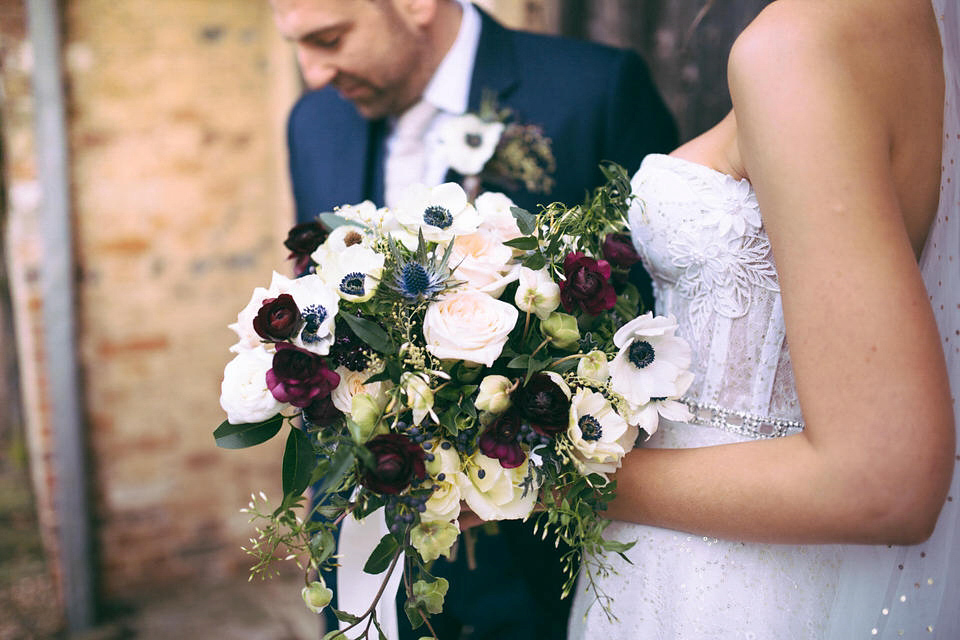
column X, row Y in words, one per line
column 299, row 461
column 415, row 613
column 336, row 633
column 241, row 436
column 344, row 616
column 524, row 243
column 526, row 221
column 378, row 377
column 322, row 546
column 535, row 262
column 520, row 362
column 380, row 557
column 332, row 221
column 340, row 463
column 370, row 332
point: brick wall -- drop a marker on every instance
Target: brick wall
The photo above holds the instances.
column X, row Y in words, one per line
column 176, row 112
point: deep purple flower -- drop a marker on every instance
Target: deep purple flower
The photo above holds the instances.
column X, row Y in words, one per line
column 322, row 412
column 398, row 461
column 299, row 376
column 303, row 240
column 586, row 284
column 500, row 440
column 278, row 318
column 618, row 250
column 543, row 404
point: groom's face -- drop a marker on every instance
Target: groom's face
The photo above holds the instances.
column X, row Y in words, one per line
column 371, row 51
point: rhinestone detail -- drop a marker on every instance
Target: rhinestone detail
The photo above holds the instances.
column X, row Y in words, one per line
column 741, row 422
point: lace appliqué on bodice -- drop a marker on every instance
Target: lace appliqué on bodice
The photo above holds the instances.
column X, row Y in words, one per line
column 700, row 235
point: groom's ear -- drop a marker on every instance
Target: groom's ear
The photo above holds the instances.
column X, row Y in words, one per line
column 420, row 13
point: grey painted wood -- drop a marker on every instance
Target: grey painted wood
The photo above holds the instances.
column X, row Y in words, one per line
column 73, row 526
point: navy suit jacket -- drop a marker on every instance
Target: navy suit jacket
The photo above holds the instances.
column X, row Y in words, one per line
column 595, row 103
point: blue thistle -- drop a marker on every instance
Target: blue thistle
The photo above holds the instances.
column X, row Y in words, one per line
column 419, row 276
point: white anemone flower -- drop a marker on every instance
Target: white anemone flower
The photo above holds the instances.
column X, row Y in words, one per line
column 354, row 272
column 467, row 143
column 318, row 304
column 440, row 212
column 652, row 361
column 599, row 435
column 340, row 238
column 365, row 213
column 647, row 417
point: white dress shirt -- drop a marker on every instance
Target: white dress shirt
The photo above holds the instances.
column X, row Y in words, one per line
column 448, row 93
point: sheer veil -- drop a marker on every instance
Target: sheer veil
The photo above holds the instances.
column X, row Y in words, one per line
column 914, row 592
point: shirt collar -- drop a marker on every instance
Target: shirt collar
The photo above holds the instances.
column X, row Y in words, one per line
column 449, row 88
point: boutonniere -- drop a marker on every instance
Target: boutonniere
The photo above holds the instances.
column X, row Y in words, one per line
column 492, row 147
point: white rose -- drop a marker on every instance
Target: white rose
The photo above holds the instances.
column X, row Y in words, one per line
column 440, row 212
column 444, row 502
column 470, row 326
column 495, row 493
column 467, row 142
column 537, row 293
column 483, row 262
column 600, row 436
column 351, row 383
column 496, row 216
column 446, row 461
column 244, row 394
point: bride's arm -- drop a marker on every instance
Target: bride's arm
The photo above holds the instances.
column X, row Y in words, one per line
column 875, row 460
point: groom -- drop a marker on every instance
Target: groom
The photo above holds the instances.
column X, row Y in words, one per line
column 384, row 74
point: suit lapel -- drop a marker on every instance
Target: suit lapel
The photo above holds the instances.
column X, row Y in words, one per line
column 355, row 159
column 495, row 67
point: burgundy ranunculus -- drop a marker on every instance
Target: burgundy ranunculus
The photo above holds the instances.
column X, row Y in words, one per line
column 543, row 404
column 587, row 284
column 278, row 318
column 299, row 376
column 618, row 250
column 500, row 440
column 322, row 412
column 302, row 240
column 398, row 461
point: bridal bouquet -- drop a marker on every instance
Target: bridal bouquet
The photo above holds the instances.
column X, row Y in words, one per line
column 445, row 355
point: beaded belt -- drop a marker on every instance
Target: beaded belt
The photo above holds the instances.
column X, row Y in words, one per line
column 741, row 422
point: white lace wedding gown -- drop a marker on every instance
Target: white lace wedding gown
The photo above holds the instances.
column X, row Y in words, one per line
column 701, row 237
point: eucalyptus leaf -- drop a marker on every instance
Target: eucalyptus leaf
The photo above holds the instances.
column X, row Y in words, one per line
column 344, row 616
column 332, row 221
column 380, row 557
column 520, row 362
column 241, row 436
column 524, row 243
column 299, row 461
column 526, row 221
column 370, row 332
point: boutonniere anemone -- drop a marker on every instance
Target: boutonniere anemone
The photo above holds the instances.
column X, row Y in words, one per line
column 493, row 147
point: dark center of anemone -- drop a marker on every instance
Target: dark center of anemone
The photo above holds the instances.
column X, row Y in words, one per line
column 473, row 140
column 415, row 279
column 352, row 284
column 641, row 353
column 352, row 238
column 590, row 428
column 438, row 216
column 313, row 317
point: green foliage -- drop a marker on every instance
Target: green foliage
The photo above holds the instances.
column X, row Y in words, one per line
column 299, row 461
column 241, row 436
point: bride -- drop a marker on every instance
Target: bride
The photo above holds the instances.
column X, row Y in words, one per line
column 813, row 494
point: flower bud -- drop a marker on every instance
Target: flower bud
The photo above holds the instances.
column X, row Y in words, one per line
column 494, row 394
column 419, row 395
column 561, row 329
column 431, row 594
column 365, row 414
column 537, row 293
column 316, row 596
column 594, row 367
column 432, row 540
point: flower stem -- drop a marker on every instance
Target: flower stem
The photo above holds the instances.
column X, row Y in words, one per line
column 545, row 342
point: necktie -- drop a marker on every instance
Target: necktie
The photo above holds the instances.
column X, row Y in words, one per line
column 406, row 151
